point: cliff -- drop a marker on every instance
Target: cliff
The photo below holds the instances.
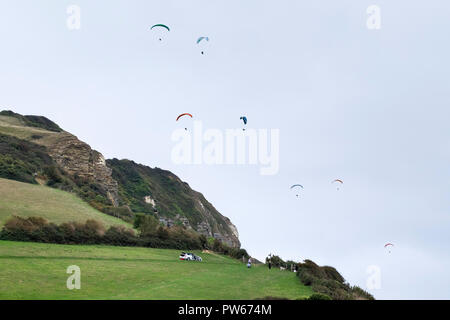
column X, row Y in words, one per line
column 52, row 156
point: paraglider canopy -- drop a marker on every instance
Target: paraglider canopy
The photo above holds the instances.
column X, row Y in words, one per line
column 160, row 25
column 244, row 119
column 388, row 245
column 184, row 114
column 296, row 186
column 337, row 181
column 202, row 39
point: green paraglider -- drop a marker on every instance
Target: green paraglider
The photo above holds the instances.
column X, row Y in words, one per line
column 202, row 39
column 159, row 25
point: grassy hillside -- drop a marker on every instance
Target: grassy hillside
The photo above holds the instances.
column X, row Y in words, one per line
column 38, row 271
column 23, row 199
column 15, row 127
column 33, row 121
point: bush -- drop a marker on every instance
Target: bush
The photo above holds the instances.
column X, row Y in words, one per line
column 93, row 232
column 24, row 224
column 162, row 233
column 217, row 246
column 120, row 236
column 333, row 274
column 319, row 296
column 39, row 230
column 305, row 277
column 146, row 224
column 203, row 241
column 361, row 294
column 276, row 261
column 328, row 281
column 52, row 175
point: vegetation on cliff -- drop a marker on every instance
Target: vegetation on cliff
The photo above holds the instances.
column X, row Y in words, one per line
column 172, row 197
column 33, row 121
column 325, row 281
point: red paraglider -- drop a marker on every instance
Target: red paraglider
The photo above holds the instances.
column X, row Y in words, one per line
column 184, row 114
column 388, row 245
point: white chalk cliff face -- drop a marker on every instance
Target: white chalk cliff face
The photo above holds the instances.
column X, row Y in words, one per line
column 149, row 200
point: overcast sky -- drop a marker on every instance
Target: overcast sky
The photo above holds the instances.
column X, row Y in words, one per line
column 370, row 107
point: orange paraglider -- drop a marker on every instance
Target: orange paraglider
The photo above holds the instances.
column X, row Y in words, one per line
column 337, row 180
column 182, row 115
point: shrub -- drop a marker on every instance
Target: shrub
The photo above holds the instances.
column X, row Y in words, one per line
column 319, row 296
column 93, row 232
column 333, row 274
column 305, row 277
column 272, row 298
column 52, row 175
column 30, row 224
column 146, row 224
column 120, row 236
column 162, row 233
column 203, row 241
column 361, row 294
column 217, row 246
column 326, row 281
column 276, row 261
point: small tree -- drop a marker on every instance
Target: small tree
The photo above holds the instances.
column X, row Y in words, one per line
column 146, row 224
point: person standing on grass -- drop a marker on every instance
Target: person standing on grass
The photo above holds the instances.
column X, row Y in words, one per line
column 249, row 263
column 269, row 261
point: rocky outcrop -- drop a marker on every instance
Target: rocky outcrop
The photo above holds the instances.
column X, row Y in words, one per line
column 149, row 200
column 77, row 158
column 221, row 229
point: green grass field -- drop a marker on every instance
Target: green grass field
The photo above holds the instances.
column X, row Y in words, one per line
column 38, row 271
column 25, row 200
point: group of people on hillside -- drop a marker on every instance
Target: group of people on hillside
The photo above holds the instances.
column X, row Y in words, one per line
column 269, row 264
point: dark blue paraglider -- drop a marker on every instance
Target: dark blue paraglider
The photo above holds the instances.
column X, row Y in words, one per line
column 244, row 119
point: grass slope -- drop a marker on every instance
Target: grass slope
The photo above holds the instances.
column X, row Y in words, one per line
column 25, row 200
column 38, row 271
